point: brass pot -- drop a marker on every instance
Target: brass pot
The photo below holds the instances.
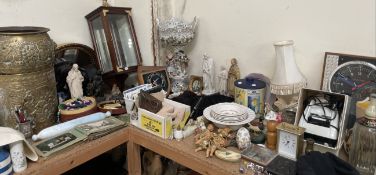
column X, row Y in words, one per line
column 25, row 49
column 27, row 75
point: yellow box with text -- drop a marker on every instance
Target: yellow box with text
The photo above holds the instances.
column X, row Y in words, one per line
column 160, row 125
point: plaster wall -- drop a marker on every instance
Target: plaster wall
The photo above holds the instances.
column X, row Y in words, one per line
column 244, row 29
column 66, row 19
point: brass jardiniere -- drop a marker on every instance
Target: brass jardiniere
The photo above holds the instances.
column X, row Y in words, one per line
column 27, row 75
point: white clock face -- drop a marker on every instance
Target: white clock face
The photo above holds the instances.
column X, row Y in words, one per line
column 287, row 145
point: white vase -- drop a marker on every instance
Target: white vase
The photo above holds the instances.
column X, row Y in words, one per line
column 18, row 156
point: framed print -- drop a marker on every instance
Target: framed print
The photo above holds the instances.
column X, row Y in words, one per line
column 155, row 75
column 49, row 146
column 196, row 84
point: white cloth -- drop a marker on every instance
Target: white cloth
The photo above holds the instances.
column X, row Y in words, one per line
column 10, row 135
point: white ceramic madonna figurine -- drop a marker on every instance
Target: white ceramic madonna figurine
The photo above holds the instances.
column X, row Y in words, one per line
column 208, row 75
column 74, row 80
column 222, row 81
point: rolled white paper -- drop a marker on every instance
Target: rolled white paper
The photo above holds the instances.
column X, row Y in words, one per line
column 66, row 126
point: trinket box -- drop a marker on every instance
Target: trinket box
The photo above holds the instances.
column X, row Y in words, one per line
column 75, row 108
column 259, row 156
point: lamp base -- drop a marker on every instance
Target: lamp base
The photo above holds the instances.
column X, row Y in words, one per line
column 286, row 101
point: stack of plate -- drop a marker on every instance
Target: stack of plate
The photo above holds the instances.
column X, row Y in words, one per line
column 230, row 115
column 5, row 162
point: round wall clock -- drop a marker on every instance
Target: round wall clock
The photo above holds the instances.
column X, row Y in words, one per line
column 354, row 78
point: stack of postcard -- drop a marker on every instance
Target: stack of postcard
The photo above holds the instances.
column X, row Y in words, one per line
column 89, row 131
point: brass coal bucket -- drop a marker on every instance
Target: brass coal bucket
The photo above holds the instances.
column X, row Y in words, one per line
column 27, row 76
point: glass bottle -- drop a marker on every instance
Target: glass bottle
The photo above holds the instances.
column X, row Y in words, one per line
column 363, row 148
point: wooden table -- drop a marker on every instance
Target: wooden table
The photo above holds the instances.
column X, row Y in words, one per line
column 76, row 154
column 179, row 151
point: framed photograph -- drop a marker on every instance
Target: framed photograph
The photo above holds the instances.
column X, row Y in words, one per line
column 155, row 75
column 196, row 84
column 99, row 126
column 49, row 146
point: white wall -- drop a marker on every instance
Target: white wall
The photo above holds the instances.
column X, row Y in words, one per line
column 67, row 22
column 244, row 29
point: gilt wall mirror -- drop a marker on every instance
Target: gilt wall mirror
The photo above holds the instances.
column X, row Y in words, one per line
column 68, row 54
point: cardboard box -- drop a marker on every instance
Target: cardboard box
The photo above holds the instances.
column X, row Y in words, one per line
column 160, row 125
column 344, row 114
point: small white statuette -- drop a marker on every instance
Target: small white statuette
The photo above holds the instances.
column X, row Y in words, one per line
column 222, row 81
column 74, row 80
column 208, row 75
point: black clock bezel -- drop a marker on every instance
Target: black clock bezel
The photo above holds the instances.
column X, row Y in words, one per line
column 346, row 65
column 144, row 71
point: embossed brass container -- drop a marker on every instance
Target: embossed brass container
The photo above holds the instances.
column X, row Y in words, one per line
column 27, row 75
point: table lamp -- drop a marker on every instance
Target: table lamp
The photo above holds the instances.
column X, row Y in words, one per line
column 287, row 79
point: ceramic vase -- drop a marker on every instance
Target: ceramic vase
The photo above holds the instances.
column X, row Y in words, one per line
column 271, row 135
column 18, row 156
column 243, row 138
column 5, row 162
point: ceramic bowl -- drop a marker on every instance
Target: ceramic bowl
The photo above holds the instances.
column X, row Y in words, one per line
column 230, row 115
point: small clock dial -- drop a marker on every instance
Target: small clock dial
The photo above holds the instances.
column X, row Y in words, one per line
column 157, row 79
column 287, row 144
column 353, row 77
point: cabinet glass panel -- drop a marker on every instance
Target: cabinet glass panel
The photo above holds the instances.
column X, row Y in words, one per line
column 101, row 45
column 125, row 49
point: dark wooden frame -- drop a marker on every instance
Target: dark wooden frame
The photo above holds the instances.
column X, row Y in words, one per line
column 195, row 78
column 102, row 13
column 372, row 60
column 141, row 70
column 60, row 50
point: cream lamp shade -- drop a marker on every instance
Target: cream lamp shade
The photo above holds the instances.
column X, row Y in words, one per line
column 287, row 78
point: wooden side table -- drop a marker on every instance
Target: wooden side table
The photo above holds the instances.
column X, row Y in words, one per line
column 77, row 154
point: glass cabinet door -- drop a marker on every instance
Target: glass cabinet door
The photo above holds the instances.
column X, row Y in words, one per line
column 123, row 41
column 101, row 45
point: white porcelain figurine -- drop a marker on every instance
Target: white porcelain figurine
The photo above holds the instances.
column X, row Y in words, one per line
column 74, row 80
column 222, row 81
column 208, row 75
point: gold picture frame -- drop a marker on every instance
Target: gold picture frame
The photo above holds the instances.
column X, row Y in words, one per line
column 196, row 84
column 156, row 75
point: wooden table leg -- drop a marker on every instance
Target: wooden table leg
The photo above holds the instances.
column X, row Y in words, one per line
column 134, row 158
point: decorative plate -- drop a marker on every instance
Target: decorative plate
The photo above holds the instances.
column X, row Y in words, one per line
column 230, row 115
column 229, row 112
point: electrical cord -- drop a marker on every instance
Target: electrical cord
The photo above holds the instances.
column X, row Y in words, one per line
column 322, row 105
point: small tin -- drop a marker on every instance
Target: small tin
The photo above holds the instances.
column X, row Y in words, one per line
column 250, row 93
